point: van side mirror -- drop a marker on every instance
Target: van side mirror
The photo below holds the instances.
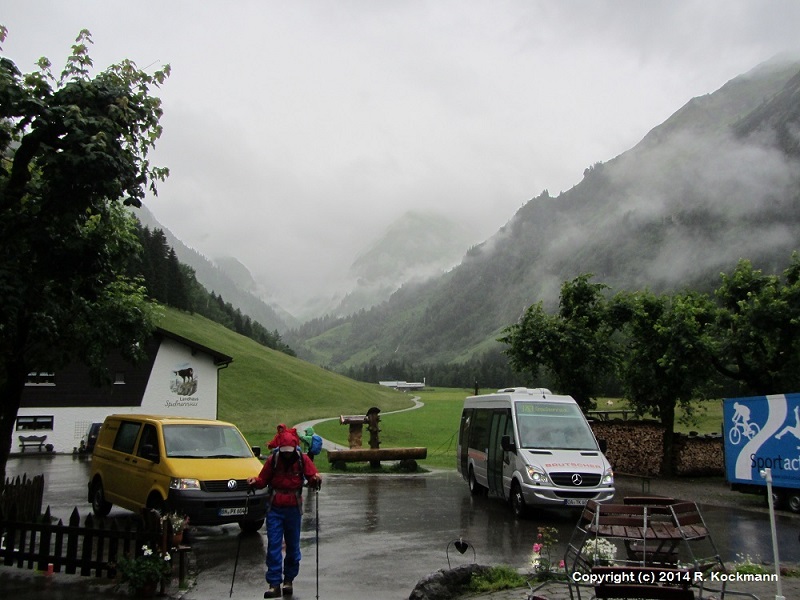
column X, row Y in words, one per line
column 507, row 445
column 149, row 452
column 603, row 446
column 256, row 450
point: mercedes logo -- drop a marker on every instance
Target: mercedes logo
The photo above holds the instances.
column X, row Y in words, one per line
column 577, row 479
column 232, row 484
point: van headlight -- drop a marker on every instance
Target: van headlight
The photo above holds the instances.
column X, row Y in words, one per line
column 608, row 477
column 537, row 475
column 184, row 484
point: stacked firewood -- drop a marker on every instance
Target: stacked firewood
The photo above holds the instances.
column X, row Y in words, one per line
column 637, row 447
column 632, row 446
column 699, row 455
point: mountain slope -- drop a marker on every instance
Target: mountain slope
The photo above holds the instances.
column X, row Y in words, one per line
column 230, row 279
column 716, row 182
column 415, row 247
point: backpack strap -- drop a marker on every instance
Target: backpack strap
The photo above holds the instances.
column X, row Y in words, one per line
column 298, row 463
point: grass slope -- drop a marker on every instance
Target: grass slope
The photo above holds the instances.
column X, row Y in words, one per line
column 263, row 387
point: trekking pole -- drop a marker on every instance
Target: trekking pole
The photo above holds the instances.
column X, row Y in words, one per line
column 316, row 543
column 239, row 543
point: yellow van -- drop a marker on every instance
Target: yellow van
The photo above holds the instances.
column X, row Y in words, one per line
column 198, row 467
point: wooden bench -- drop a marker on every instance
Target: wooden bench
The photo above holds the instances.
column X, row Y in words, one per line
column 646, row 583
column 29, row 441
column 689, row 521
column 376, row 454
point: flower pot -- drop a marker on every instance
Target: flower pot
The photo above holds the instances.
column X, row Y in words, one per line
column 148, row 590
column 177, row 538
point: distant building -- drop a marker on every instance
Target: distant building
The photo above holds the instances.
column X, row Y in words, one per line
column 403, row 385
column 178, row 377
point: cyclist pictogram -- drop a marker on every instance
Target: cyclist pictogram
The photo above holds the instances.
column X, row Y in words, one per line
column 742, row 427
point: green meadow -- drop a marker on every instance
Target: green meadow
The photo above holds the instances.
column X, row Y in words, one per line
column 263, row 387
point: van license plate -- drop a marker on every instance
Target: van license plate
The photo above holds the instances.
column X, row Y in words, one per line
column 228, row 512
column 576, row 501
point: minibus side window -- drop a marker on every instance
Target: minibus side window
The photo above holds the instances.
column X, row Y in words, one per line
column 149, row 438
column 479, row 432
column 126, row 437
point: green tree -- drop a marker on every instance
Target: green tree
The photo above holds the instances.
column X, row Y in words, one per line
column 73, row 150
column 757, row 329
column 576, row 345
column 665, row 358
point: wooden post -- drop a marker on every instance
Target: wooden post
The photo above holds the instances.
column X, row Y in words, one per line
column 374, row 438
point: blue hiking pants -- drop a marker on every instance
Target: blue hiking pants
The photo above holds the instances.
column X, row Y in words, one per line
column 283, row 524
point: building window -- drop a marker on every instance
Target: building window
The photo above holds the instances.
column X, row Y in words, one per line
column 119, row 378
column 34, row 423
column 40, row 378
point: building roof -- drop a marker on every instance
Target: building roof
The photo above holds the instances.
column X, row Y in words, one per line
column 219, row 357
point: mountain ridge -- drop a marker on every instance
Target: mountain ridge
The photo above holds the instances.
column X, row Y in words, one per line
column 716, row 182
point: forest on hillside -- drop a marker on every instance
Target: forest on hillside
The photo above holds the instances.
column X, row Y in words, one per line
column 174, row 284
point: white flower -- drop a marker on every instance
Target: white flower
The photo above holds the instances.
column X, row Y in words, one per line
column 599, row 549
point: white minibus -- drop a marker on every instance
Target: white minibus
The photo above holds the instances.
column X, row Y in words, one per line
column 532, row 448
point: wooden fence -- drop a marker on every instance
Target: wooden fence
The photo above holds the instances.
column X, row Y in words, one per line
column 24, row 493
column 94, row 547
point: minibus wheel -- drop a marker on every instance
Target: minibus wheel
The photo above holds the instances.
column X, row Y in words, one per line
column 475, row 488
column 100, row 505
column 518, row 500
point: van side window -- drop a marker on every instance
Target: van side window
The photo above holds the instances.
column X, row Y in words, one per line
column 126, row 437
column 149, row 438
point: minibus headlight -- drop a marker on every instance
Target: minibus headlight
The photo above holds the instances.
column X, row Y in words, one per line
column 184, row 484
column 537, row 475
column 608, row 477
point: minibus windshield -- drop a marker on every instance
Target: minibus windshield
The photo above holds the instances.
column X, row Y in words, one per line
column 204, row 441
column 552, row 425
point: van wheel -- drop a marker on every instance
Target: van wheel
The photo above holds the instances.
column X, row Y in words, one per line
column 793, row 502
column 518, row 501
column 251, row 526
column 100, row 506
column 156, row 503
column 475, row 488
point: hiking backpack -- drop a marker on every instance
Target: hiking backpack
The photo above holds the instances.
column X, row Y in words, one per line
column 316, row 445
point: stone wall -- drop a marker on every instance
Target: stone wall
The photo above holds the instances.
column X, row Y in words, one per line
column 637, row 447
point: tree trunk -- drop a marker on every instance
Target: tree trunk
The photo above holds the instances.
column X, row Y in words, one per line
column 11, row 389
column 668, row 421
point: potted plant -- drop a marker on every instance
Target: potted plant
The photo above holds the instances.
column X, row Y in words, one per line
column 143, row 573
column 599, row 551
column 178, row 522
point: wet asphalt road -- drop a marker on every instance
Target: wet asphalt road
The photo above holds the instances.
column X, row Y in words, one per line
column 378, row 535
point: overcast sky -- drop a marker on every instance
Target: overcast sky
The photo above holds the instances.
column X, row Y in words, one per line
column 296, row 131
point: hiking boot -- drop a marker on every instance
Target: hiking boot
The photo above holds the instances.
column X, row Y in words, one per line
column 274, row 591
column 287, row 588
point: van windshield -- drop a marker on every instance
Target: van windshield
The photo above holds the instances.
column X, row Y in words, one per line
column 552, row 425
column 204, row 441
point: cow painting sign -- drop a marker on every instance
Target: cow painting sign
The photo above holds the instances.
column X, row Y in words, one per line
column 763, row 432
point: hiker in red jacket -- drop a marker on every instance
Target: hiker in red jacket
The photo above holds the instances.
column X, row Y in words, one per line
column 284, row 472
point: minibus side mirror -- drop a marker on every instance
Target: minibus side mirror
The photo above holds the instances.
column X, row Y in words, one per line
column 150, row 453
column 507, row 445
column 256, row 450
column 603, row 446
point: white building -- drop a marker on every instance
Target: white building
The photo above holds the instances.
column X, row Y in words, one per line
column 179, row 377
